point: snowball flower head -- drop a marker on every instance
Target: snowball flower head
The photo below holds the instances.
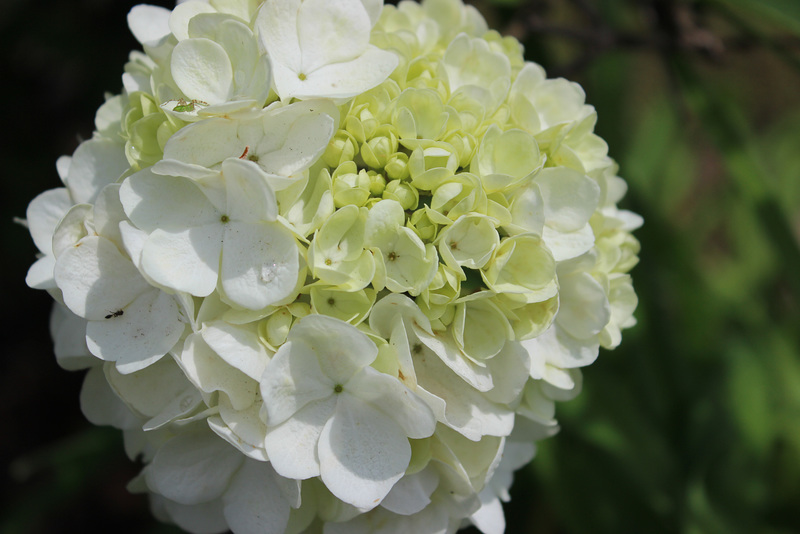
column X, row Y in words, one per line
column 330, row 264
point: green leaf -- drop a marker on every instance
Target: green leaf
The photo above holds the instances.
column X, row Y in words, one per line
column 782, row 12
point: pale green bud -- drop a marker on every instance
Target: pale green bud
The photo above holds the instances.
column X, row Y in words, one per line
column 459, row 195
column 143, row 148
column 396, row 167
column 140, row 104
column 377, row 151
column 423, row 73
column 350, row 186
column 299, row 309
column 355, row 128
column 465, row 144
column 403, row 192
column 431, row 166
column 369, row 123
column 375, row 103
column 422, row 225
column 343, row 147
column 275, row 329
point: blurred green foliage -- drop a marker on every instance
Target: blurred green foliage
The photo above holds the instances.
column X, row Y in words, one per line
column 693, row 424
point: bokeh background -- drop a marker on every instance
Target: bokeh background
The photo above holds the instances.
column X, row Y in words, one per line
column 691, row 426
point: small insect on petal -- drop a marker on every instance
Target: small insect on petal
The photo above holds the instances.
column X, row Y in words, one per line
column 183, row 105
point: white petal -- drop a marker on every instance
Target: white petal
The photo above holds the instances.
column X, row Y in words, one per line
column 583, row 309
column 340, row 80
column 250, row 198
column 411, row 493
column 206, row 143
column 489, row 518
column 434, row 519
column 62, row 167
column 108, row 213
column 247, row 426
column 276, row 25
column 306, row 140
column 254, row 503
column 561, row 350
column 96, row 279
column 467, row 410
column 478, row 377
column 388, row 395
column 101, row 406
column 527, row 210
column 209, row 373
column 568, row 245
column 569, row 197
column 40, row 274
column 43, row 215
column 292, row 379
column 183, row 13
column 510, row 372
column 95, row 164
column 260, row 263
column 292, row 445
column 133, row 241
column 184, row 261
column 177, row 409
column 148, row 329
column 69, row 339
column 238, row 346
column 331, row 31
column 148, row 391
column 374, row 9
column 193, row 467
column 173, row 167
column 163, row 202
column 224, row 431
column 383, row 317
column 72, row 228
column 149, row 24
column 362, row 453
column 202, row 70
column 205, row 518
column 342, row 349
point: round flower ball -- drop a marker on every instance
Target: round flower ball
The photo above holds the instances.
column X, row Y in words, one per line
column 330, row 264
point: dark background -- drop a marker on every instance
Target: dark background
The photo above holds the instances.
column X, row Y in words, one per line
column 691, row 426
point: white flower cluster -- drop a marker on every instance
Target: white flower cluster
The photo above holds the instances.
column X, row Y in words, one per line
column 330, row 263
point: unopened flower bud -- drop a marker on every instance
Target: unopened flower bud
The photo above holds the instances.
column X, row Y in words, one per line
column 350, row 186
column 396, row 167
column 276, row 327
column 403, row 192
column 343, row 147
